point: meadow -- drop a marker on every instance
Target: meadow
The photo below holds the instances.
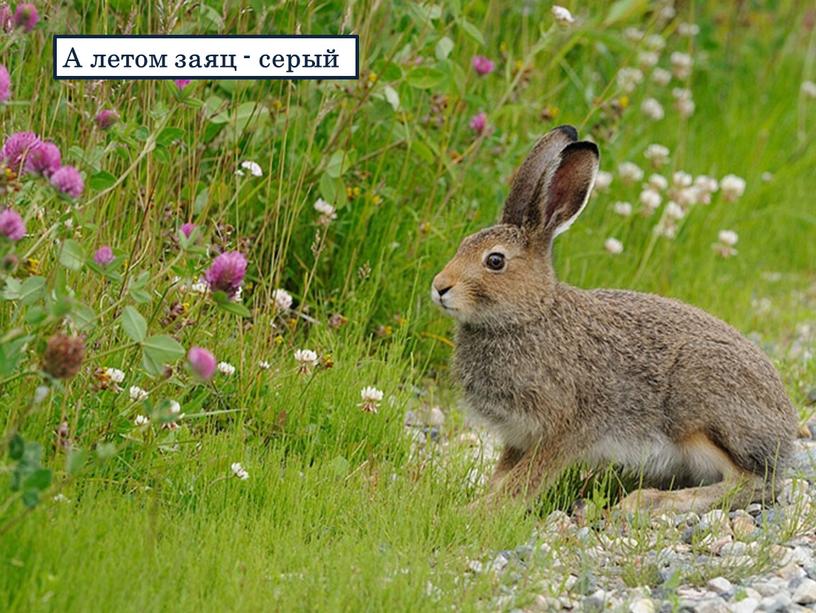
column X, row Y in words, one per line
column 215, row 305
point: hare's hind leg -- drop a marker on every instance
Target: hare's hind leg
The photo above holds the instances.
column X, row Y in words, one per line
column 510, row 456
column 705, row 462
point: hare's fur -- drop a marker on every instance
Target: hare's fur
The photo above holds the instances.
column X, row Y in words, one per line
column 605, row 376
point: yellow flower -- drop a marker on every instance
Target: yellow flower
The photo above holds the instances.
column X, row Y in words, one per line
column 32, row 266
column 372, row 77
column 279, row 340
column 376, row 199
column 623, row 101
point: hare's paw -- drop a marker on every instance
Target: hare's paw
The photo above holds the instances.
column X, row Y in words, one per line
column 646, row 500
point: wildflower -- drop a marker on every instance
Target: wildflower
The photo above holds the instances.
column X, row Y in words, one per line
column 68, row 181
column 603, row 180
column 137, row 393
column 681, row 179
column 674, row 211
column 658, row 155
column 655, row 42
column 182, row 83
column 282, row 298
column 187, row 229
column 809, row 89
column 657, row 182
column 613, row 246
column 199, row 287
column 6, row 21
column 732, row 187
column 264, row 365
column 44, row 159
column 562, row 16
column 141, row 420
column 683, row 102
column 478, row 122
column 175, row 407
column 26, row 16
column 63, row 356
column 327, row 212
column 106, row 118
column 623, row 209
column 5, row 84
column 337, row 320
column 666, row 228
column 202, row 362
column 239, row 471
column 650, row 199
column 12, row 225
column 115, row 375
column 661, row 76
column 766, row 176
column 226, row 273
column 371, row 399
column 630, row 173
column 681, row 64
column 688, row 29
column 483, row 65
column 647, row 59
column 725, row 246
column 225, row 368
column 103, row 255
column 253, row 167
column 628, row 79
column 707, row 185
column 40, row 394
column 633, row 35
column 652, row 109
column 17, row 148
column 306, row 359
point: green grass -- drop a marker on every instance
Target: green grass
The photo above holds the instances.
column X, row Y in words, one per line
column 338, row 512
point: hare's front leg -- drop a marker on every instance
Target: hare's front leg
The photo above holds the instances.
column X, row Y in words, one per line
column 510, row 456
column 537, row 468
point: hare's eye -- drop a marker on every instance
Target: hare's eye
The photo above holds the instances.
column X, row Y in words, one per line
column 495, row 261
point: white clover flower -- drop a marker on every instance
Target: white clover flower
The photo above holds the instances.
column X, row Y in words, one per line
column 613, row 246
column 647, row 59
column 657, row 182
column 687, row 196
column 674, row 211
column 683, row 102
column 40, row 394
column 175, row 407
column 630, row 172
column 657, row 154
column 728, row 237
column 141, row 420
column 200, row 287
column 327, row 212
column 655, row 42
column 306, row 359
column 652, row 109
column 809, row 89
column 706, row 184
column 681, row 179
column 239, row 471
column 371, row 399
column 681, row 64
column 661, row 76
column 666, row 228
column 264, row 365
column 225, row 368
column 650, row 199
column 603, row 180
column 628, row 79
column 115, row 375
column 766, row 176
column 688, row 29
column 623, row 209
column 666, row 12
column 561, row 15
column 282, row 298
column 253, row 168
column 238, row 296
column 732, row 187
column 137, row 393
column 632, row 34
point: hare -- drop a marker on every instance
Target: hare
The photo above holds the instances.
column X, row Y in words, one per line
column 603, row 376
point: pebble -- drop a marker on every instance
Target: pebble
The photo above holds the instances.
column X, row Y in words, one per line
column 743, row 526
column 805, row 592
column 643, row 605
column 778, row 602
column 720, row 585
column 746, row 605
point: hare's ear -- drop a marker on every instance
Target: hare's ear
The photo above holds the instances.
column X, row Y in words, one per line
column 524, row 191
column 563, row 193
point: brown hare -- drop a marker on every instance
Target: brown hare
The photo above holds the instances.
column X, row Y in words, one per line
column 603, row 376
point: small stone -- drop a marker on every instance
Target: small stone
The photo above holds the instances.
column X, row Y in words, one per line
column 720, row 585
column 736, row 548
column 436, row 417
column 595, row 601
column 754, row 508
column 643, row 605
column 475, row 566
column 746, row 605
column 411, row 419
column 790, row 572
column 743, row 526
column 499, row 562
column 778, row 602
column 805, row 593
column 710, row 605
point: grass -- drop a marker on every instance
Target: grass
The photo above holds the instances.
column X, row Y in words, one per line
column 339, row 513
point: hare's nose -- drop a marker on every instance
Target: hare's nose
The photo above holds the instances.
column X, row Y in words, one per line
column 441, row 286
column 442, row 291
